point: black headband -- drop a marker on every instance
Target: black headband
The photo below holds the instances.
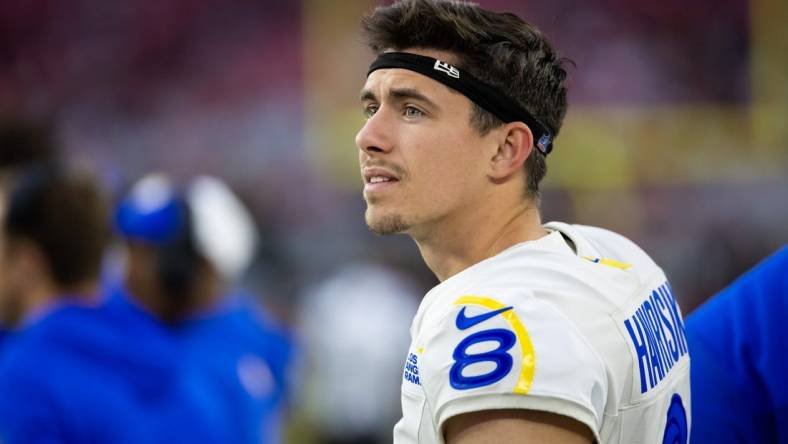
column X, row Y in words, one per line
column 487, row 97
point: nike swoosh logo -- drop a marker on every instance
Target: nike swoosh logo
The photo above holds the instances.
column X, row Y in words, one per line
column 464, row 322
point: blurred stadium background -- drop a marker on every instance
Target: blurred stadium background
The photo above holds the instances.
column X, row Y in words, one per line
column 676, row 134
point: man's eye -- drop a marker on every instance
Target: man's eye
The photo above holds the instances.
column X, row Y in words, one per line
column 413, row 112
column 370, row 110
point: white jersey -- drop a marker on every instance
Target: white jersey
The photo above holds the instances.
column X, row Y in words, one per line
column 593, row 333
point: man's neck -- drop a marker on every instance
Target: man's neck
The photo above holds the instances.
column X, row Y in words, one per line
column 461, row 242
column 200, row 296
column 39, row 298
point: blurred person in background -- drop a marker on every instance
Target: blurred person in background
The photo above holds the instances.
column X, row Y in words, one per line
column 69, row 371
column 22, row 144
column 354, row 326
column 553, row 333
column 184, row 249
column 740, row 359
column 66, row 374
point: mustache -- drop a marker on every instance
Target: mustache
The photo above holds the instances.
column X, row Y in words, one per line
column 396, row 170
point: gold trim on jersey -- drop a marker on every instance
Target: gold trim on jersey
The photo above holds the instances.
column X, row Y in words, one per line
column 609, row 262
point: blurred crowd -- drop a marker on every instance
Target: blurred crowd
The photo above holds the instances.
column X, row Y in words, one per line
column 186, row 109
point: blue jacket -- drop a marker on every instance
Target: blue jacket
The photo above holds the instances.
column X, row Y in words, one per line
column 739, row 346
column 81, row 375
column 235, row 361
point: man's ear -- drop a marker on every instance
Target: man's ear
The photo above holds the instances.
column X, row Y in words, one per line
column 515, row 143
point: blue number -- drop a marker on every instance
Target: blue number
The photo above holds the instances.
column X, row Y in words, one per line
column 502, row 360
column 676, row 426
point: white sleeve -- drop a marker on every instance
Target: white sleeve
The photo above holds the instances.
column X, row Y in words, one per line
column 508, row 350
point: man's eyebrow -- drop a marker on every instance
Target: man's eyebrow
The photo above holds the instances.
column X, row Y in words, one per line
column 398, row 94
column 410, row 93
column 368, row 96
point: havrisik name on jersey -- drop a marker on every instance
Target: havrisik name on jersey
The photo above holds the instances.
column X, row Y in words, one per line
column 657, row 333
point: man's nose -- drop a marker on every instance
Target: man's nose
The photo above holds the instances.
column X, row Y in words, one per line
column 373, row 137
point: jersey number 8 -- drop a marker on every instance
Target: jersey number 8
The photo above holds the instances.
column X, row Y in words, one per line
column 498, row 356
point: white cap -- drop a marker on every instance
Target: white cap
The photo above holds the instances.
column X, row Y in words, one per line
column 223, row 228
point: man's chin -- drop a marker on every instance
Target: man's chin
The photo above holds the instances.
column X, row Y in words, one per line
column 386, row 224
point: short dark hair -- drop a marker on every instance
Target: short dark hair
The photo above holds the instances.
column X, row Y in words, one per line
column 63, row 212
column 500, row 49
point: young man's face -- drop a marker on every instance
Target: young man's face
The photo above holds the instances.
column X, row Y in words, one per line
column 421, row 159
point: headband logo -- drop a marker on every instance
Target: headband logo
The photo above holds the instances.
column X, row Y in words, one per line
column 448, row 69
column 544, row 143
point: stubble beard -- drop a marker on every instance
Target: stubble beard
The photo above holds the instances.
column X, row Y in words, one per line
column 386, row 224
